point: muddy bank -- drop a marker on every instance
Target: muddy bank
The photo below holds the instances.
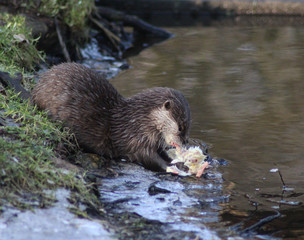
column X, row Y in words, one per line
column 35, row 152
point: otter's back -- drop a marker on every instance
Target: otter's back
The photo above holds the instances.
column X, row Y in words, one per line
column 82, row 98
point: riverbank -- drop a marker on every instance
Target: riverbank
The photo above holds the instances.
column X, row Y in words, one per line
column 170, row 13
column 39, row 156
column 210, row 7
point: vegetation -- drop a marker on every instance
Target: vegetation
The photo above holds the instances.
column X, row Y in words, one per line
column 18, row 51
column 29, row 141
column 74, row 13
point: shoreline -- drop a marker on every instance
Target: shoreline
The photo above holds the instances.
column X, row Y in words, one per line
column 213, row 7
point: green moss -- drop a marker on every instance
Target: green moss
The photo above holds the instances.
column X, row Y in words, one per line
column 17, row 47
column 74, row 13
column 27, row 146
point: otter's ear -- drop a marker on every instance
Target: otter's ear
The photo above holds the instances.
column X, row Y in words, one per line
column 167, row 104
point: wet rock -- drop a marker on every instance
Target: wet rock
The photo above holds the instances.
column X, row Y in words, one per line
column 154, row 190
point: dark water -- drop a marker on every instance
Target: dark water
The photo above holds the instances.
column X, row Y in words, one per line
column 245, row 86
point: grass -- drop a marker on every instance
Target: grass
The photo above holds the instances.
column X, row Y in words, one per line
column 18, row 51
column 29, row 143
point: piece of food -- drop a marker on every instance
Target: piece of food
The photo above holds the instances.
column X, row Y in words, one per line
column 192, row 160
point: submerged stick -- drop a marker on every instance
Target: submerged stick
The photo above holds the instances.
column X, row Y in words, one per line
column 260, row 223
column 282, row 180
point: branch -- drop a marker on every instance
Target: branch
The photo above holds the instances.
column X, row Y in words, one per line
column 61, row 42
column 133, row 21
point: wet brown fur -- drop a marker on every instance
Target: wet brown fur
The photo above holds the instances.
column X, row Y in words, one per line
column 104, row 122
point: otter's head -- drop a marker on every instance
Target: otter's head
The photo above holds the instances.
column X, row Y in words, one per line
column 172, row 118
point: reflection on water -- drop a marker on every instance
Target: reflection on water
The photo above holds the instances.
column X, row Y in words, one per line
column 245, row 86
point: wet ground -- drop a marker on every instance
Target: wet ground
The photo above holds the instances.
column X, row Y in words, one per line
column 245, row 88
column 56, row 222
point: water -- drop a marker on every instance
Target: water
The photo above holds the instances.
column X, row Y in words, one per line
column 245, row 88
column 183, row 205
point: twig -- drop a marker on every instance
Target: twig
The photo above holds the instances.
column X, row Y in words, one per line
column 281, row 178
column 61, row 42
column 108, row 33
column 260, row 223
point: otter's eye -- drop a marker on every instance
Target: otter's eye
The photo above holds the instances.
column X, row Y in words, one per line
column 180, row 128
column 167, row 105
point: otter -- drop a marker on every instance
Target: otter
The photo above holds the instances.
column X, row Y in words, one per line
column 139, row 127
